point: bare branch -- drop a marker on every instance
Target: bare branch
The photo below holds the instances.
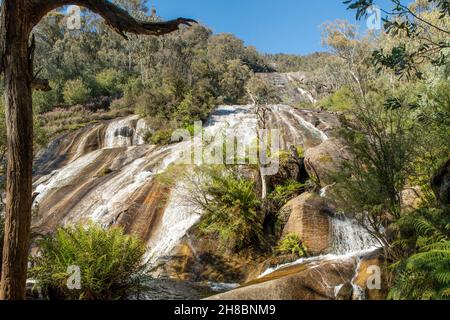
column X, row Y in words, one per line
column 115, row 17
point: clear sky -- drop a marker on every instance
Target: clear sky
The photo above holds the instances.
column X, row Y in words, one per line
column 272, row 26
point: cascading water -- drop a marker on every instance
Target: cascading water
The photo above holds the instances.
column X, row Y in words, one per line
column 116, row 184
column 348, row 240
column 178, row 218
column 125, row 132
column 141, row 130
column 348, row 236
column 99, row 185
column 107, row 184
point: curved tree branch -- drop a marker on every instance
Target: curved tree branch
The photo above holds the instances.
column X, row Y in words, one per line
column 115, row 17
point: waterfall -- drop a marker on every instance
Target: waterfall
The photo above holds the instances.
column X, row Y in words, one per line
column 291, row 77
column 311, row 128
column 348, row 236
column 180, row 215
column 105, row 183
column 139, row 134
column 125, row 132
column 60, row 178
column 178, row 218
column 294, row 120
column 348, row 240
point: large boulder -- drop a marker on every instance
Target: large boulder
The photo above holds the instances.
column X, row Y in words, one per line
column 325, row 159
column 326, row 280
column 308, row 217
column 411, row 199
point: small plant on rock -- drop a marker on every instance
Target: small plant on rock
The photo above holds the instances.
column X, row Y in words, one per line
column 291, row 244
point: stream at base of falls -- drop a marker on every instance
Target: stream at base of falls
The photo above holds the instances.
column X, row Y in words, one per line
column 171, row 289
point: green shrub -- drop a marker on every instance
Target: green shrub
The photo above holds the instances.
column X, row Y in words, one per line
column 160, row 137
column 156, row 102
column 341, row 100
column 231, row 208
column 76, row 92
column 109, row 82
column 283, row 193
column 44, row 101
column 111, row 263
column 131, row 90
column 291, row 244
column 425, row 273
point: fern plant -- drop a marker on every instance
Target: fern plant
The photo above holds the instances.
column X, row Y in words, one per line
column 425, row 274
column 110, row 263
column 231, row 208
column 291, row 244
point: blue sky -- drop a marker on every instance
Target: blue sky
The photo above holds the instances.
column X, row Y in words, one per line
column 272, row 26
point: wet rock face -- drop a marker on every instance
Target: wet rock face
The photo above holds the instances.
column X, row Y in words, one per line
column 326, row 280
column 198, row 259
column 411, row 198
column 290, row 87
column 308, row 216
column 370, row 281
column 323, row 160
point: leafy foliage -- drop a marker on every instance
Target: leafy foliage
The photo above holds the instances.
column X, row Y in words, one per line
column 109, row 82
column 110, row 262
column 341, row 100
column 414, row 21
column 44, row 101
column 76, row 92
column 425, row 274
column 285, row 192
column 383, row 144
column 230, row 207
column 291, row 244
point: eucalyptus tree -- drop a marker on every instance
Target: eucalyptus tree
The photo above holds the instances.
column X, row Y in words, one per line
column 17, row 46
column 418, row 23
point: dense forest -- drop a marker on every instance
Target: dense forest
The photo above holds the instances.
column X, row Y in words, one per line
column 390, row 90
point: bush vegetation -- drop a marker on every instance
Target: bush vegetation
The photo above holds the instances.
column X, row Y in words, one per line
column 397, row 129
column 111, row 263
column 76, row 92
column 425, row 273
column 231, row 209
column 292, row 245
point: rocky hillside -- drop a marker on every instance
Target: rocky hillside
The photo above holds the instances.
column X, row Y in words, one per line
column 106, row 173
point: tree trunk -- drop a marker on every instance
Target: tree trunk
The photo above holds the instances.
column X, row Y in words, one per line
column 17, row 19
column 17, row 61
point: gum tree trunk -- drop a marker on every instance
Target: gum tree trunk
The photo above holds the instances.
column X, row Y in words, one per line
column 17, row 19
column 19, row 119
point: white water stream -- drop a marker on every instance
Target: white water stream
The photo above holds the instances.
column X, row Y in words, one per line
column 348, row 240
